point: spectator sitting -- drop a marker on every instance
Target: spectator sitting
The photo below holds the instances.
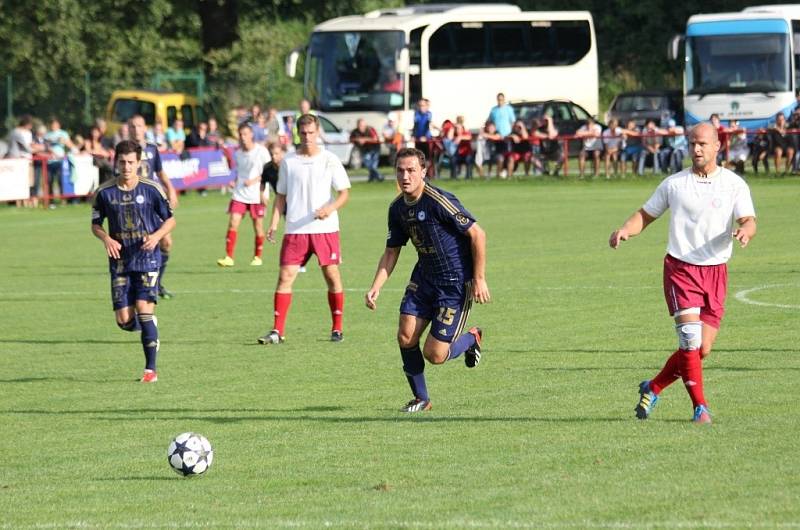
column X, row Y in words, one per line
column 463, row 153
column 199, row 137
column 632, row 146
column 392, row 137
column 679, row 147
column 651, row 144
column 367, row 143
column 723, row 137
column 393, row 83
column 176, row 137
column 546, row 146
column 519, row 149
column 157, row 136
column 761, row 150
column 489, row 149
column 612, row 142
column 591, row 133
column 738, row 150
column 781, row 142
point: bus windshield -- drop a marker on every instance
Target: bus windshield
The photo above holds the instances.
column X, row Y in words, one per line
column 355, row 70
column 733, row 64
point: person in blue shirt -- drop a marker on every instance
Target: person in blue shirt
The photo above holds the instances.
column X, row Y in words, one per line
column 502, row 115
column 421, row 130
column 139, row 217
column 448, row 277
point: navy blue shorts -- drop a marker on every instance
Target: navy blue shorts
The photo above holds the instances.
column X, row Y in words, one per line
column 127, row 287
column 445, row 306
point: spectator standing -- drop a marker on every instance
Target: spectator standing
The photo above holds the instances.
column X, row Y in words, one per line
column 269, row 175
column 199, row 137
column 305, row 108
column 679, row 147
column 502, row 115
column 214, row 135
column 612, row 141
column 21, row 145
column 463, row 154
column 249, row 195
column 259, row 127
column 101, row 124
column 305, row 181
column 123, row 133
column 591, row 133
column 58, row 143
column 273, row 125
column 93, row 145
column 392, row 137
column 365, row 139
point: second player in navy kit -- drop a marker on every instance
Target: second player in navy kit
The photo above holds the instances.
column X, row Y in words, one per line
column 448, row 277
column 139, row 217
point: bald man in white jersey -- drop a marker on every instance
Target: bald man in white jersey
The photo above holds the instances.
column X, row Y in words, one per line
column 704, row 201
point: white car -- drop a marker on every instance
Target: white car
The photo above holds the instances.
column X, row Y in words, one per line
column 335, row 140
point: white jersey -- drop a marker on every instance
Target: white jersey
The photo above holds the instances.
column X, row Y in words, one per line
column 307, row 181
column 703, row 212
column 249, row 165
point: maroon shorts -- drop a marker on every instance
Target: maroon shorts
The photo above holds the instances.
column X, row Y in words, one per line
column 703, row 286
column 256, row 210
column 525, row 157
column 297, row 249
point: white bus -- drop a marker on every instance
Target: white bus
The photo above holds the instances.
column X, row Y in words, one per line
column 742, row 65
column 457, row 56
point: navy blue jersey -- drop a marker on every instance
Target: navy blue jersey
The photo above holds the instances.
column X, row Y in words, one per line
column 151, row 162
column 132, row 214
column 436, row 224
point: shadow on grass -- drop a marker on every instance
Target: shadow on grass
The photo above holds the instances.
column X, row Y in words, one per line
column 665, row 351
column 115, row 479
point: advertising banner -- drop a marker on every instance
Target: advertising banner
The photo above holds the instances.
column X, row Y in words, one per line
column 202, row 168
column 14, row 179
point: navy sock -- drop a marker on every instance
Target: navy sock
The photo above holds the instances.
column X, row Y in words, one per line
column 414, row 367
column 149, row 339
column 164, row 260
column 460, row 345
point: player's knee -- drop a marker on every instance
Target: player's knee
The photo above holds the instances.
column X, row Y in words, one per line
column 128, row 325
column 690, row 335
column 405, row 339
column 435, row 357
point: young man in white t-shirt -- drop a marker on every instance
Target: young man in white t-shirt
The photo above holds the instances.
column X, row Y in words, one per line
column 591, row 133
column 305, row 180
column 704, row 201
column 249, row 195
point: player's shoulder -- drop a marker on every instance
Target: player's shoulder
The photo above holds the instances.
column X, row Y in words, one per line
column 105, row 188
column 152, row 186
column 396, row 202
column 443, row 198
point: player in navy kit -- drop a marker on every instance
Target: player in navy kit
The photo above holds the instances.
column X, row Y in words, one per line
column 139, row 217
column 448, row 277
column 150, row 168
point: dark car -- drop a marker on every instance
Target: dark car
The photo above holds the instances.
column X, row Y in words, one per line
column 567, row 116
column 644, row 105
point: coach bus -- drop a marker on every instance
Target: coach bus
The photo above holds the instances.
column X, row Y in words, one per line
column 742, row 65
column 457, row 56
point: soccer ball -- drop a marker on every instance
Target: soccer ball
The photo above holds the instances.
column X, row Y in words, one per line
column 190, row 454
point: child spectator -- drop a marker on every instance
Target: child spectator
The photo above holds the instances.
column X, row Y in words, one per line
column 612, row 142
column 591, row 133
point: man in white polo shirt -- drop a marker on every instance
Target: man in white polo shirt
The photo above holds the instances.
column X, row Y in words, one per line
column 704, row 201
column 305, row 180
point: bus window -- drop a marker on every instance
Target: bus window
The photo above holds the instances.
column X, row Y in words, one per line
column 188, row 116
column 457, row 45
column 172, row 113
column 415, row 60
column 509, row 46
column 572, row 41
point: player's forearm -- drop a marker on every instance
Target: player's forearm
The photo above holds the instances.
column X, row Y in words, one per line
column 385, row 267
column 164, row 229
column 478, row 248
column 99, row 233
column 637, row 222
column 748, row 225
column 341, row 199
column 277, row 208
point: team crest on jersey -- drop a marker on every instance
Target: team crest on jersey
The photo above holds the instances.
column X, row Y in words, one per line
column 461, row 219
column 716, row 202
column 421, row 215
column 139, row 199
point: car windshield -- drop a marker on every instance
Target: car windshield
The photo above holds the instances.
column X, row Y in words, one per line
column 640, row 103
column 355, row 70
column 719, row 64
column 528, row 111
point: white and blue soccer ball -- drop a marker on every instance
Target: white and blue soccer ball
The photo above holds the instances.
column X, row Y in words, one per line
column 190, row 454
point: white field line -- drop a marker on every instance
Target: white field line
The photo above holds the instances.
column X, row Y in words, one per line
column 459, row 523
column 743, row 296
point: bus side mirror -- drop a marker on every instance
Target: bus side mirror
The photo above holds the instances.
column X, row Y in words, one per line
column 291, row 62
column 402, row 61
column 674, row 48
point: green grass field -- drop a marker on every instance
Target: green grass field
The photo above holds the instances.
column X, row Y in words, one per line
column 307, row 434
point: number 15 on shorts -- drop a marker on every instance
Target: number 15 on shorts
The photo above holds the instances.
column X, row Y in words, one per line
column 446, row 315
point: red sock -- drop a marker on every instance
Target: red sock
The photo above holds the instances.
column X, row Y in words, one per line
column 668, row 375
column 336, row 303
column 230, row 242
column 282, row 301
column 259, row 246
column 692, row 374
